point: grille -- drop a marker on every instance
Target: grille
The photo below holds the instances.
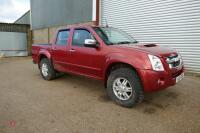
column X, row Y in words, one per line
column 176, row 64
column 174, row 61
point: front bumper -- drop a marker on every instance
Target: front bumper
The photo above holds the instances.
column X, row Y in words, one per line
column 154, row 81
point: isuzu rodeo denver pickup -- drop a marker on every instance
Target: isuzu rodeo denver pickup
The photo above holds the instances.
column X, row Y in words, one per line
column 127, row 67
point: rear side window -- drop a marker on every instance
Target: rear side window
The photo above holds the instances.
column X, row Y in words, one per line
column 62, row 37
column 79, row 37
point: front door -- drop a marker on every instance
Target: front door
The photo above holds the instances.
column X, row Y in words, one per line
column 85, row 60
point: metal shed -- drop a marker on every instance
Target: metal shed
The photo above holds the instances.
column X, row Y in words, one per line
column 24, row 19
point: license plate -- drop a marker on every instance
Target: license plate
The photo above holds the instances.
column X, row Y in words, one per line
column 179, row 78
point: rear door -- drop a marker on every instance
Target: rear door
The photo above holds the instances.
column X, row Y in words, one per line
column 85, row 60
column 60, row 50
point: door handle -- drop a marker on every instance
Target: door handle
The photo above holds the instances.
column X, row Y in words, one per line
column 54, row 48
column 72, row 50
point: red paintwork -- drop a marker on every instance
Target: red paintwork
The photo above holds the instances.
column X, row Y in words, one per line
column 94, row 62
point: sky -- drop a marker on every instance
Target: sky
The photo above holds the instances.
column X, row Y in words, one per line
column 11, row 10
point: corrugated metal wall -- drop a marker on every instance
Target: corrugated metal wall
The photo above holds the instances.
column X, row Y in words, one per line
column 24, row 28
column 170, row 23
column 25, row 19
column 48, row 13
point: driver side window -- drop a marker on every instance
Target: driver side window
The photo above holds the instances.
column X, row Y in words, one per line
column 79, row 37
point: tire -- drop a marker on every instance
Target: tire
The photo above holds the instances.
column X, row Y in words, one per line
column 117, row 79
column 46, row 69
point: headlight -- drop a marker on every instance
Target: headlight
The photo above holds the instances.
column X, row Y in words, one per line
column 156, row 63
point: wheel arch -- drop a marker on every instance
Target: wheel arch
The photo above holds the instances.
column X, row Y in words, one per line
column 115, row 65
column 43, row 54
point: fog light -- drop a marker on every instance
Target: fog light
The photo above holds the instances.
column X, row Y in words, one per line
column 161, row 81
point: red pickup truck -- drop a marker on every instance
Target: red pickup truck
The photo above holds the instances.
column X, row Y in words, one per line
column 127, row 67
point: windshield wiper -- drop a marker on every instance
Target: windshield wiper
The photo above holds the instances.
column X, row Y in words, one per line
column 127, row 42
column 110, row 43
column 124, row 42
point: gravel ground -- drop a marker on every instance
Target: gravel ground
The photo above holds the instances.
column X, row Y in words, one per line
column 73, row 104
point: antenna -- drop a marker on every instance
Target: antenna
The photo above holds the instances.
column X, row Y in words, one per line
column 107, row 22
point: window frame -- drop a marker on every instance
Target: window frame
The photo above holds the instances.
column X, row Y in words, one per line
column 85, row 30
column 58, row 35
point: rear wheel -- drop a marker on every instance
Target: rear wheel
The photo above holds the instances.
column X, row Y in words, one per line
column 124, row 87
column 46, row 69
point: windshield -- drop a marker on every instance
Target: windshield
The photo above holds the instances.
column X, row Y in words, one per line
column 113, row 36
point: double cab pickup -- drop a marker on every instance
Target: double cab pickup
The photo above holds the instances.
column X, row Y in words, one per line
column 127, row 68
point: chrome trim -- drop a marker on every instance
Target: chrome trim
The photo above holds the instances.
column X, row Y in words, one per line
column 173, row 59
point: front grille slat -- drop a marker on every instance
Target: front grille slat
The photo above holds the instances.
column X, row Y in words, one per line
column 175, row 64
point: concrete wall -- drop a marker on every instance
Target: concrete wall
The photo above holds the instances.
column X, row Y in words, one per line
column 48, row 13
column 45, row 35
column 40, row 36
column 24, row 19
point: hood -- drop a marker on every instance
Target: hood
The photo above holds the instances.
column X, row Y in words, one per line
column 150, row 49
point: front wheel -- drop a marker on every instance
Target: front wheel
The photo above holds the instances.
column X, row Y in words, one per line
column 46, row 69
column 124, row 87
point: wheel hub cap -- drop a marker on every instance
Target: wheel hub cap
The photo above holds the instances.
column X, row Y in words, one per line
column 122, row 89
column 45, row 70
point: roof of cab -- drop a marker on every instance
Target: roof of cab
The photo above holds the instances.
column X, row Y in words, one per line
column 78, row 26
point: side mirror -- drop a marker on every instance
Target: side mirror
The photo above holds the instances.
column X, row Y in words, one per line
column 91, row 43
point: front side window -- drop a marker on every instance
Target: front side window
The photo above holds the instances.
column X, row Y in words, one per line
column 79, row 37
column 62, row 37
column 113, row 36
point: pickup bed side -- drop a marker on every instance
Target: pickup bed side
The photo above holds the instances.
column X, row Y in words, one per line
column 40, row 50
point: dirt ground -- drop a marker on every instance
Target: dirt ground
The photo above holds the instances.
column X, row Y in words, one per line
column 72, row 104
